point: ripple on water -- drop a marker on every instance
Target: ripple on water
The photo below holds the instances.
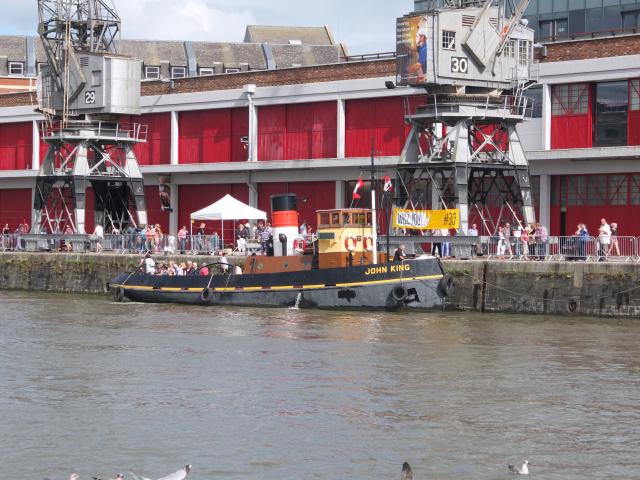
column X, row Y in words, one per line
column 100, row 387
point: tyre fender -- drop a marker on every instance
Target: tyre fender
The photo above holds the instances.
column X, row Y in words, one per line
column 446, row 286
column 118, row 294
column 399, row 293
column 206, row 295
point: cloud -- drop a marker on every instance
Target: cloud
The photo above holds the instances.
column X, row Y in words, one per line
column 365, row 26
column 188, row 20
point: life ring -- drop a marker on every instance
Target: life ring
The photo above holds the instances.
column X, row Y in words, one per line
column 298, row 245
column 118, row 294
column 367, row 242
column 206, row 295
column 446, row 286
column 399, row 293
column 350, row 243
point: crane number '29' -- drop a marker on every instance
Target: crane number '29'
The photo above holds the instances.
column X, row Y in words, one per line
column 459, row 65
column 90, row 97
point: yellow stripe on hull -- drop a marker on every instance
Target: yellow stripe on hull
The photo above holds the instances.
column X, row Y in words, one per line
column 281, row 287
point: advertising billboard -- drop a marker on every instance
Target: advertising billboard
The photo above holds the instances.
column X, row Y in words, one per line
column 412, row 50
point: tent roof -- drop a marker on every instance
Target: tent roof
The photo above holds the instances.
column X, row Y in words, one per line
column 228, row 208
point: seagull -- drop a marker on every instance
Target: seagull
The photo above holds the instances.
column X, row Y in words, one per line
column 117, row 477
column 407, row 473
column 523, row 470
column 179, row 475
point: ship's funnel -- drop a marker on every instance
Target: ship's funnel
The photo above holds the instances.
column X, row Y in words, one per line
column 284, row 220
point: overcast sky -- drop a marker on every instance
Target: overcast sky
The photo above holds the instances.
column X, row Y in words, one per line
column 366, row 26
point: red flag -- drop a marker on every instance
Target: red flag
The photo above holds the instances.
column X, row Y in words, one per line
column 359, row 185
column 388, row 186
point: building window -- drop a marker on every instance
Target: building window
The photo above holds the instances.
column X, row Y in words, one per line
column 206, row 71
column 16, row 68
column 524, row 52
column 554, row 29
column 178, row 72
column 631, row 20
column 570, row 99
column 448, row 40
column 151, row 72
column 231, row 70
column 577, row 190
column 634, row 189
column 612, row 105
column 634, row 94
column 40, row 66
column 534, row 94
column 617, row 191
column 596, row 190
column 510, row 49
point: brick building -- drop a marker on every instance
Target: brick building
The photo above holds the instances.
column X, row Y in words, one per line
column 315, row 124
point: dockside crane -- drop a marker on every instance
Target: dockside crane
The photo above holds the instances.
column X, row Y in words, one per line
column 84, row 92
column 475, row 63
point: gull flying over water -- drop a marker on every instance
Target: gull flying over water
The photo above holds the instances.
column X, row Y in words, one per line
column 407, row 473
column 522, row 470
column 179, row 475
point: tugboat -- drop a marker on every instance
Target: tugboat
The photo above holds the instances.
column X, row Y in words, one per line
column 340, row 269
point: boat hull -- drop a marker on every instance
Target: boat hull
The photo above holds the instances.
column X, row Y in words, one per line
column 411, row 284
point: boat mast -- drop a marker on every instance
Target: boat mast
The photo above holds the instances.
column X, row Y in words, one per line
column 374, row 226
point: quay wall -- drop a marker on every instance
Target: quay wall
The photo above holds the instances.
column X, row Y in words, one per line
column 604, row 289
column 557, row 288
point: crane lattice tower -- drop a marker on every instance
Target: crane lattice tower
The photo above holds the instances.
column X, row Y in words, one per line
column 82, row 92
column 475, row 63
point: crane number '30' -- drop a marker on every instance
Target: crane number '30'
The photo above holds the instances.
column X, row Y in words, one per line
column 459, row 65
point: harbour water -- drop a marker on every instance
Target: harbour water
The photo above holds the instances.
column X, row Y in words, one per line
column 96, row 387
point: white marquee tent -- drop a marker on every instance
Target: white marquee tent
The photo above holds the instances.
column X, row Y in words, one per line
column 228, row 208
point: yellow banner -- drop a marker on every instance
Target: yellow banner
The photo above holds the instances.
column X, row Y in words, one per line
column 426, row 219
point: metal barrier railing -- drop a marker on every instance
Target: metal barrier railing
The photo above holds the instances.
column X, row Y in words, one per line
column 621, row 248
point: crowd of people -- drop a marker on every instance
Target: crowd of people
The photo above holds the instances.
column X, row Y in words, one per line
column 150, row 267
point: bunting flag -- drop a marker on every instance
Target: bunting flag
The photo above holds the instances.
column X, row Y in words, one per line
column 388, row 186
column 359, row 185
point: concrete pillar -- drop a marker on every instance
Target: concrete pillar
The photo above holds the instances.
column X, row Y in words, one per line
column 175, row 138
column 175, row 208
column 545, row 200
column 253, row 124
column 546, row 116
column 35, row 147
column 340, row 194
column 340, row 130
column 253, row 194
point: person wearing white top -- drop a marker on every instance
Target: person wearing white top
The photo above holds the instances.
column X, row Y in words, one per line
column 99, row 233
column 604, row 238
column 149, row 265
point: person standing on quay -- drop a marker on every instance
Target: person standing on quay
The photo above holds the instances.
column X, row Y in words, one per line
column 604, row 239
column 614, row 248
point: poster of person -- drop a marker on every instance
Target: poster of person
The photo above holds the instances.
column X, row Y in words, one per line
column 164, row 185
column 411, row 50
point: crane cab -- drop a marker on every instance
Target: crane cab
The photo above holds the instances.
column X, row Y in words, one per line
column 457, row 48
column 345, row 237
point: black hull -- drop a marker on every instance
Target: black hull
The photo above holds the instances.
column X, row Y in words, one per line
column 413, row 284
